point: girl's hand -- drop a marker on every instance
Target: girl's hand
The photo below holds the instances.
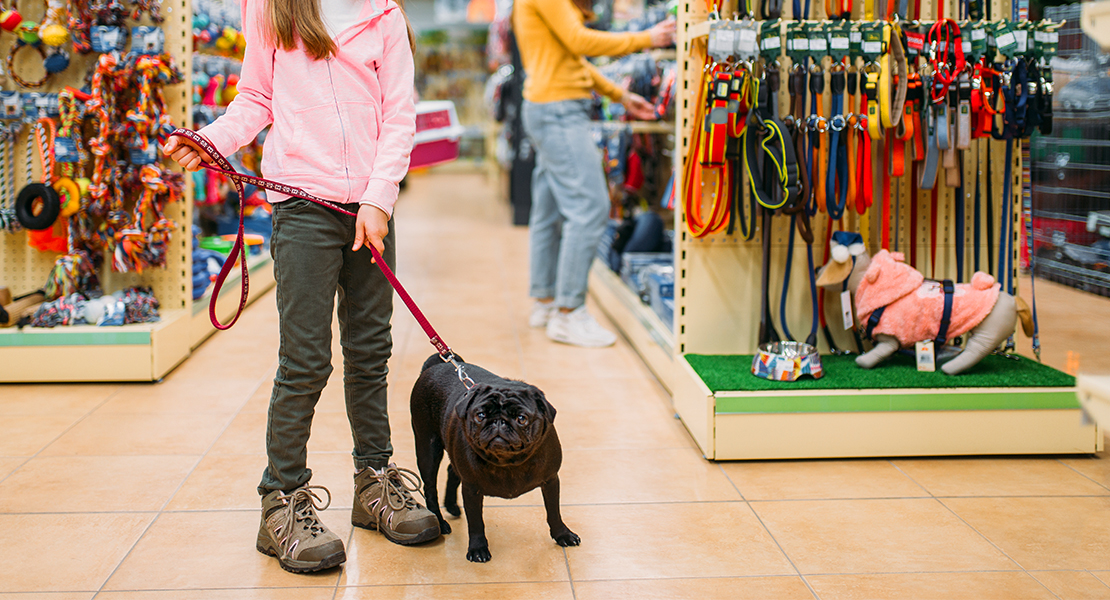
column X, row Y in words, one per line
column 638, row 108
column 371, row 227
column 185, row 152
column 662, row 34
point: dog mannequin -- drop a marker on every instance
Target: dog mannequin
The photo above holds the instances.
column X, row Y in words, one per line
column 913, row 306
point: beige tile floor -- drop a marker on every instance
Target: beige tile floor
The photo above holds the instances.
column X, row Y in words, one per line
column 136, row 492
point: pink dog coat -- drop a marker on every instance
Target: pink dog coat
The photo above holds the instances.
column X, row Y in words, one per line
column 914, row 306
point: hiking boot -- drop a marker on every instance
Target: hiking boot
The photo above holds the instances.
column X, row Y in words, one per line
column 293, row 532
column 579, row 328
column 383, row 501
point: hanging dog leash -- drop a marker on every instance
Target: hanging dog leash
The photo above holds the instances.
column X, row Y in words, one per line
column 221, row 165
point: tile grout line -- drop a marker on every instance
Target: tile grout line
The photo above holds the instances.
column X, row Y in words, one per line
column 940, row 501
column 1084, row 475
column 570, row 577
column 768, row 530
column 60, row 435
column 162, row 510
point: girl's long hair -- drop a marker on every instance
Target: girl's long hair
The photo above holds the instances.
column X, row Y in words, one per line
column 295, row 22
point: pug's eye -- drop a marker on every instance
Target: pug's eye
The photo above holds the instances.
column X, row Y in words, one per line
column 481, row 416
column 523, row 420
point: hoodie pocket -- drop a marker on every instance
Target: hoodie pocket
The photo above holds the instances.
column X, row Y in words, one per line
column 317, row 147
column 361, row 121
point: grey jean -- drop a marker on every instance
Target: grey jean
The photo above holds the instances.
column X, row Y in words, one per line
column 570, row 200
column 311, row 247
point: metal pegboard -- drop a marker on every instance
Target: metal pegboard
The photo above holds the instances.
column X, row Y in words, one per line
column 717, row 277
column 24, row 269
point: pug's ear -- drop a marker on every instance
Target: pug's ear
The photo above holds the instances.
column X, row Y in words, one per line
column 542, row 404
column 463, row 405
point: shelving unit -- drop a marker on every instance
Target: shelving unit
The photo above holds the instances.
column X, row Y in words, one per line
column 131, row 352
column 716, row 313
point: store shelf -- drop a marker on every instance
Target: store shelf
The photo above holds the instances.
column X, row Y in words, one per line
column 795, row 424
column 143, row 352
column 261, row 280
column 651, row 339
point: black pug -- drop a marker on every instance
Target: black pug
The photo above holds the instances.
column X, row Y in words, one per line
column 500, row 439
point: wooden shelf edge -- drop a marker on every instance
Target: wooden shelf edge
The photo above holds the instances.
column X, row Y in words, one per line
column 646, row 332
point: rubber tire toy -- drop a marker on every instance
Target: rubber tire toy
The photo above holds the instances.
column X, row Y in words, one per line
column 25, row 206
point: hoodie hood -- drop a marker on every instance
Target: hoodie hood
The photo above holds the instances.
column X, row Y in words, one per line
column 888, row 279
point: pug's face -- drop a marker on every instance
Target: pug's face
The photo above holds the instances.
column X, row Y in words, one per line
column 505, row 423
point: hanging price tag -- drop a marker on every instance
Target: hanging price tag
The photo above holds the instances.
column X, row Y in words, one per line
column 1005, row 40
column 846, row 310
column 797, row 41
column 65, row 150
column 105, row 39
column 926, row 359
column 747, row 42
column 872, row 46
column 147, row 156
column 147, row 40
column 855, row 42
column 722, row 41
column 839, row 41
column 11, row 106
column 770, row 40
column 818, row 42
column 978, row 43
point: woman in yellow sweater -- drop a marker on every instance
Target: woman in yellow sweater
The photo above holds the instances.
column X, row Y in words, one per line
column 570, row 199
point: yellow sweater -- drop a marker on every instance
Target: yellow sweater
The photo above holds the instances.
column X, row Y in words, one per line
column 553, row 40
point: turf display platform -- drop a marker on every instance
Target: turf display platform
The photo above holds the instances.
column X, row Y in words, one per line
column 724, row 373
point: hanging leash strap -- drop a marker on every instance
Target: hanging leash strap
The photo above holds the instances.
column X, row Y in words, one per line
column 219, row 164
column 707, row 151
column 850, row 138
column 818, row 148
column 946, row 316
column 838, row 151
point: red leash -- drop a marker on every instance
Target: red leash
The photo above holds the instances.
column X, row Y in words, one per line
column 239, row 249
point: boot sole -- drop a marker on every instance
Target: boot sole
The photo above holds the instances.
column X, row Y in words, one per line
column 300, row 566
column 364, row 521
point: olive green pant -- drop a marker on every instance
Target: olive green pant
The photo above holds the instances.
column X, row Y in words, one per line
column 311, row 247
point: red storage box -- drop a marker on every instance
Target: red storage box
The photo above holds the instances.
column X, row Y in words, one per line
column 437, row 134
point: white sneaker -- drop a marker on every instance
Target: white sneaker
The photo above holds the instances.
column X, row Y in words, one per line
column 541, row 314
column 579, row 328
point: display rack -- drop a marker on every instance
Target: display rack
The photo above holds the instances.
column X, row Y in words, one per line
column 716, row 313
column 130, row 352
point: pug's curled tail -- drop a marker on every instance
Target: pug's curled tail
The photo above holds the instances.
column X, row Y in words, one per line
column 435, row 359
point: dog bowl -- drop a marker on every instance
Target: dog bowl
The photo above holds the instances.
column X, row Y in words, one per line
column 787, row 361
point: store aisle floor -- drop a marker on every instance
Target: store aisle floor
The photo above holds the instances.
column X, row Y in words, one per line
column 136, row 492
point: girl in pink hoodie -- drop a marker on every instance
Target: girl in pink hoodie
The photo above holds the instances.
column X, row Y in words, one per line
column 334, row 78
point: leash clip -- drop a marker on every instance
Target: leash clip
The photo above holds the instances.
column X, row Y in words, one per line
column 460, row 369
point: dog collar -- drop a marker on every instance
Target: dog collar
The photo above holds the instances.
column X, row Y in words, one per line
column 787, row 361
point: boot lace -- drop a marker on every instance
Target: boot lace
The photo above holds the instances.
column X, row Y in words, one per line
column 397, row 485
column 300, row 507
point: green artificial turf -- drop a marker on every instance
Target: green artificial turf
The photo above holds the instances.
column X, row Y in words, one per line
column 734, row 373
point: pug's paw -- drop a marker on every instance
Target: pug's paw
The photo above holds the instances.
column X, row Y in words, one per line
column 444, row 528
column 452, row 508
column 567, row 539
column 479, row 555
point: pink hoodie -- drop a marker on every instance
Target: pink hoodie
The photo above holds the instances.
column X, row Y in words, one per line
column 914, row 306
column 342, row 127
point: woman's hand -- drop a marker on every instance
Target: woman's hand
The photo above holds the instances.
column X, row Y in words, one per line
column 638, row 108
column 662, row 35
column 371, row 227
column 185, row 152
